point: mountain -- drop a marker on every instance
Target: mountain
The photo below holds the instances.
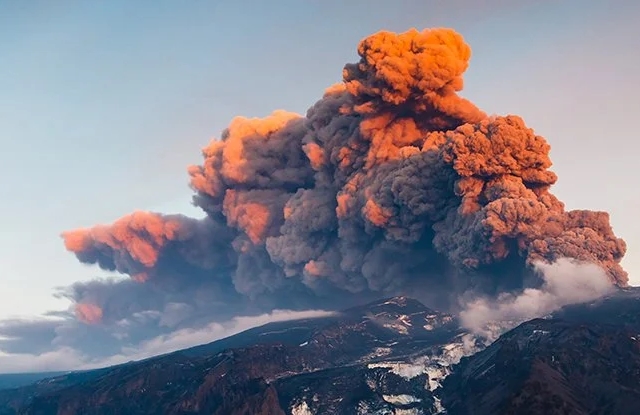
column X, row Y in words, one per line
column 392, row 357
column 382, row 356
column 584, row 359
column 15, row 380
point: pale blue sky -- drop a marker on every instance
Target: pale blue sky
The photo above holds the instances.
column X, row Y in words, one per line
column 103, row 104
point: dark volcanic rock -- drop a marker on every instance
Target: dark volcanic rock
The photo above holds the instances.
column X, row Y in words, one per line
column 584, row 360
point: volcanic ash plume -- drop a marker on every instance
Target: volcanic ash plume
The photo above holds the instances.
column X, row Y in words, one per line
column 391, row 183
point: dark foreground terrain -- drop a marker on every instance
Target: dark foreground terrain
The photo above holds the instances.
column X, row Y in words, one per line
column 584, row 360
column 394, row 356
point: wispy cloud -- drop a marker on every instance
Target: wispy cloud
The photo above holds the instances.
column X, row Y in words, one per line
column 69, row 358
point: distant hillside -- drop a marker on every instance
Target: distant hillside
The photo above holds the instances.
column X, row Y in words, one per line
column 15, row 380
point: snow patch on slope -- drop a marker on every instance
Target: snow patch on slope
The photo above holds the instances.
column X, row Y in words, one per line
column 437, row 406
column 436, row 367
column 400, row 323
column 400, row 399
column 412, row 411
column 365, row 409
column 301, row 409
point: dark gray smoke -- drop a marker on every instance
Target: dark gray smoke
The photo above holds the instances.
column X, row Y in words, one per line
column 392, row 183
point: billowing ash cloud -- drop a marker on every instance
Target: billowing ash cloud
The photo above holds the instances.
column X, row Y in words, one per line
column 391, row 183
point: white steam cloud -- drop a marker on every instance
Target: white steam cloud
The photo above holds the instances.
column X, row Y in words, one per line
column 566, row 282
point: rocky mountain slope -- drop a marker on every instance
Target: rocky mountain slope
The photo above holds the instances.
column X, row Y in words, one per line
column 585, row 359
column 394, row 357
column 383, row 356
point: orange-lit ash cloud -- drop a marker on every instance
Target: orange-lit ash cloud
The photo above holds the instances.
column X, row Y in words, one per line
column 88, row 313
column 142, row 235
column 391, row 182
